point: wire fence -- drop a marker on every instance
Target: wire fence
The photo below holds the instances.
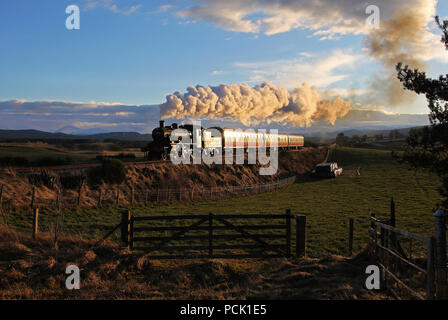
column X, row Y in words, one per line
column 131, row 196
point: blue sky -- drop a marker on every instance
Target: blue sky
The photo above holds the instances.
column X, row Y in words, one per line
column 138, row 55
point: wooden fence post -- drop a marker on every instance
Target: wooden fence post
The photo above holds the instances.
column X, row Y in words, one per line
column 125, row 228
column 288, row 232
column 100, row 198
column 210, row 235
column 430, row 284
column 392, row 212
column 1, row 195
column 374, row 235
column 35, row 222
column 131, row 232
column 132, row 195
column 79, row 194
column 59, row 201
column 33, row 195
column 300, row 236
column 440, row 240
column 350, row 237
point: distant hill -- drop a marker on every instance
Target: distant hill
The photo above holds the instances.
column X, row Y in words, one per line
column 371, row 133
column 36, row 134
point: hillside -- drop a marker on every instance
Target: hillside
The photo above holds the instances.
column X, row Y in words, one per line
column 152, row 177
column 36, row 134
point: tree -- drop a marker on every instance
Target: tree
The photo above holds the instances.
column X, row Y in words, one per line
column 341, row 139
column 428, row 147
column 111, row 171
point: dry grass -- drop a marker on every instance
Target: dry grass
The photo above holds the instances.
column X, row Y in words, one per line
column 35, row 269
column 17, row 190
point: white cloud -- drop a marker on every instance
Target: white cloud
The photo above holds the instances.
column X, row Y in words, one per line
column 326, row 17
column 319, row 72
column 111, row 6
column 52, row 115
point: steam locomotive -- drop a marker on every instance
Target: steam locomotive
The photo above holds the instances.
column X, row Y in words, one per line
column 161, row 145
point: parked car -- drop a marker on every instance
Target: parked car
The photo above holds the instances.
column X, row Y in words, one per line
column 327, row 170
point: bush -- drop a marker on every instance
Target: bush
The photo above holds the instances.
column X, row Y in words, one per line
column 111, row 171
column 72, row 182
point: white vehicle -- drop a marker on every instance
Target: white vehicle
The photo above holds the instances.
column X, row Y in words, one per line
column 327, row 170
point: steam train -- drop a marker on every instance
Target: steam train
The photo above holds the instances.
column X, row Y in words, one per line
column 161, row 145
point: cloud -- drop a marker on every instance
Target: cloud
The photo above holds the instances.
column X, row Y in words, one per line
column 107, row 117
column 406, row 34
column 111, row 6
column 324, row 17
column 317, row 71
column 265, row 103
column 53, row 115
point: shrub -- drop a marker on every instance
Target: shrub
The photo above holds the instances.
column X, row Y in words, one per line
column 111, row 171
column 71, row 182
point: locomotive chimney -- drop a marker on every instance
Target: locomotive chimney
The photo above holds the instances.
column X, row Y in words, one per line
column 174, row 126
column 162, row 124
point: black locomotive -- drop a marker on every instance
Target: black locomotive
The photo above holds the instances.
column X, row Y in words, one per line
column 160, row 147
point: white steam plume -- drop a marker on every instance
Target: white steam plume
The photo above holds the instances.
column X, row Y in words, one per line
column 262, row 103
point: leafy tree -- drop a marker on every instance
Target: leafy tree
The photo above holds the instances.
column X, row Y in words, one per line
column 341, row 139
column 428, row 147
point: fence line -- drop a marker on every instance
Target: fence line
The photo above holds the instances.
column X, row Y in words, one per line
column 129, row 195
column 392, row 257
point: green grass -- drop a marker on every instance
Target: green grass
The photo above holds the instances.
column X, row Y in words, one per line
column 37, row 152
column 328, row 204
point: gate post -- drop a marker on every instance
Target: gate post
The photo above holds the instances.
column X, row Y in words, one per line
column 430, row 269
column 125, row 227
column 210, row 235
column 440, row 218
column 300, row 236
column 131, row 233
column 288, row 232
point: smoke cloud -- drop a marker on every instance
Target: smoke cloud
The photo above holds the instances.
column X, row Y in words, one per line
column 254, row 105
column 404, row 38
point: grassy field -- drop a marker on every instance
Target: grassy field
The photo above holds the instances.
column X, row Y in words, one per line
column 328, row 204
column 34, row 152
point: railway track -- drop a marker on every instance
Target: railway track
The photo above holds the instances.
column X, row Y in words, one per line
column 78, row 166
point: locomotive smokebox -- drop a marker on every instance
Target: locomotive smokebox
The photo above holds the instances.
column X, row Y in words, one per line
column 162, row 124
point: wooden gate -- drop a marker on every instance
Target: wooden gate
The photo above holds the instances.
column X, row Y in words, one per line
column 388, row 247
column 212, row 235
